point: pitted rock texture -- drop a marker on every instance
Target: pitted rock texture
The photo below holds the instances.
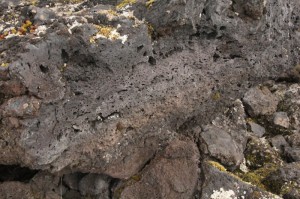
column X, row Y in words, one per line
column 103, row 87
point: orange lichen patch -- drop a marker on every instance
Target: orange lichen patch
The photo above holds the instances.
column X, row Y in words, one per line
column 27, row 23
column 26, row 27
column 22, row 31
column 33, row 29
column 2, row 36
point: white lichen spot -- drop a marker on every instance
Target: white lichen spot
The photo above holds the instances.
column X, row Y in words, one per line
column 107, row 157
column 264, row 141
column 243, row 166
column 123, row 38
column 128, row 14
column 113, row 116
column 25, row 105
column 1, row 27
column 40, row 30
column 110, row 33
column 222, row 194
column 75, row 24
column 11, row 32
column 294, row 88
column 265, row 3
column 125, row 7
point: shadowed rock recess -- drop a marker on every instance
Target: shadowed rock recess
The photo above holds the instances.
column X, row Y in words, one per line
column 162, row 99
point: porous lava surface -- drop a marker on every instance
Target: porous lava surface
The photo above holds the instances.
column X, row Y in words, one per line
column 149, row 99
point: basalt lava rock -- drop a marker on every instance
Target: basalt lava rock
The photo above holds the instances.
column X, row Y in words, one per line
column 105, row 87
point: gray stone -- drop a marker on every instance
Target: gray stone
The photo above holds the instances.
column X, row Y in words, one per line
column 44, row 183
column 259, row 153
column 237, row 115
column 221, row 184
column 11, row 3
column 20, row 107
column 42, row 15
column 279, row 142
column 285, row 179
column 94, row 184
column 177, row 13
column 293, row 193
column 72, row 194
column 222, row 146
column 257, row 129
column 250, row 8
column 281, row 119
column 12, row 88
column 294, row 74
column 72, row 180
column 290, row 105
column 294, row 139
column 260, row 101
column 226, row 138
column 114, row 89
column 4, row 75
column 15, row 190
column 292, row 154
column 171, row 174
column 125, row 82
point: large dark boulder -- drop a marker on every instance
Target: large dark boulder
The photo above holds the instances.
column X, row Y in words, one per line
column 103, row 87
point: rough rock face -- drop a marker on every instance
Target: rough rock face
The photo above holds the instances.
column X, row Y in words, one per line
column 220, row 185
column 260, row 101
column 285, row 180
column 225, row 139
column 121, row 94
column 161, row 179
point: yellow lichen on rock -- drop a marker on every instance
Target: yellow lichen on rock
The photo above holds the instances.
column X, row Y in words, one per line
column 73, row 1
column 217, row 165
column 4, row 65
column 112, row 12
column 216, row 96
column 34, row 2
column 149, row 3
column 104, row 30
column 107, row 32
column 150, row 30
column 125, row 3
